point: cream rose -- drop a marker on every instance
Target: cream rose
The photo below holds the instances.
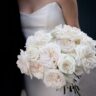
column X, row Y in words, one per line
column 42, row 37
column 23, row 63
column 81, row 50
column 49, row 55
column 37, row 69
column 54, row 78
column 66, row 45
column 68, row 32
column 67, row 64
column 89, row 62
column 33, row 53
column 39, row 39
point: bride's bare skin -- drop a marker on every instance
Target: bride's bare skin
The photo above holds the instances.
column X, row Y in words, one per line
column 68, row 7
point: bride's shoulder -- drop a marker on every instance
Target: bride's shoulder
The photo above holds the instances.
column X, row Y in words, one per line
column 61, row 2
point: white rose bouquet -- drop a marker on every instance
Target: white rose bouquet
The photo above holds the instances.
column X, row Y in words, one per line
column 58, row 57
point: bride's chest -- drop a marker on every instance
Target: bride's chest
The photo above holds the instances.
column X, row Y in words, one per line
column 48, row 16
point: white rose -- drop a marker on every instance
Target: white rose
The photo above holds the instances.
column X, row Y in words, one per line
column 87, row 57
column 66, row 45
column 74, row 32
column 90, row 42
column 57, row 32
column 67, row 64
column 68, row 32
column 33, row 53
column 37, row 69
column 23, row 63
column 40, row 38
column 49, row 55
column 62, row 32
column 30, row 42
column 54, row 78
column 81, row 50
column 89, row 62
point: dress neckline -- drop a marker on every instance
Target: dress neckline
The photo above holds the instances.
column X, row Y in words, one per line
column 28, row 14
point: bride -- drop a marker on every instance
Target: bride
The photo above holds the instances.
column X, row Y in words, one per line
column 44, row 15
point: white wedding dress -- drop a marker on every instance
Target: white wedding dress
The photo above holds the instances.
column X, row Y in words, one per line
column 44, row 18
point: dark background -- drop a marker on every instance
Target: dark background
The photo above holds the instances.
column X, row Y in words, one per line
column 11, row 80
column 87, row 16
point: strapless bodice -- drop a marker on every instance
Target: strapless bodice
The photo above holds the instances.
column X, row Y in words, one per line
column 44, row 18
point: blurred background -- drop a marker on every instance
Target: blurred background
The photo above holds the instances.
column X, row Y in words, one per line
column 87, row 17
